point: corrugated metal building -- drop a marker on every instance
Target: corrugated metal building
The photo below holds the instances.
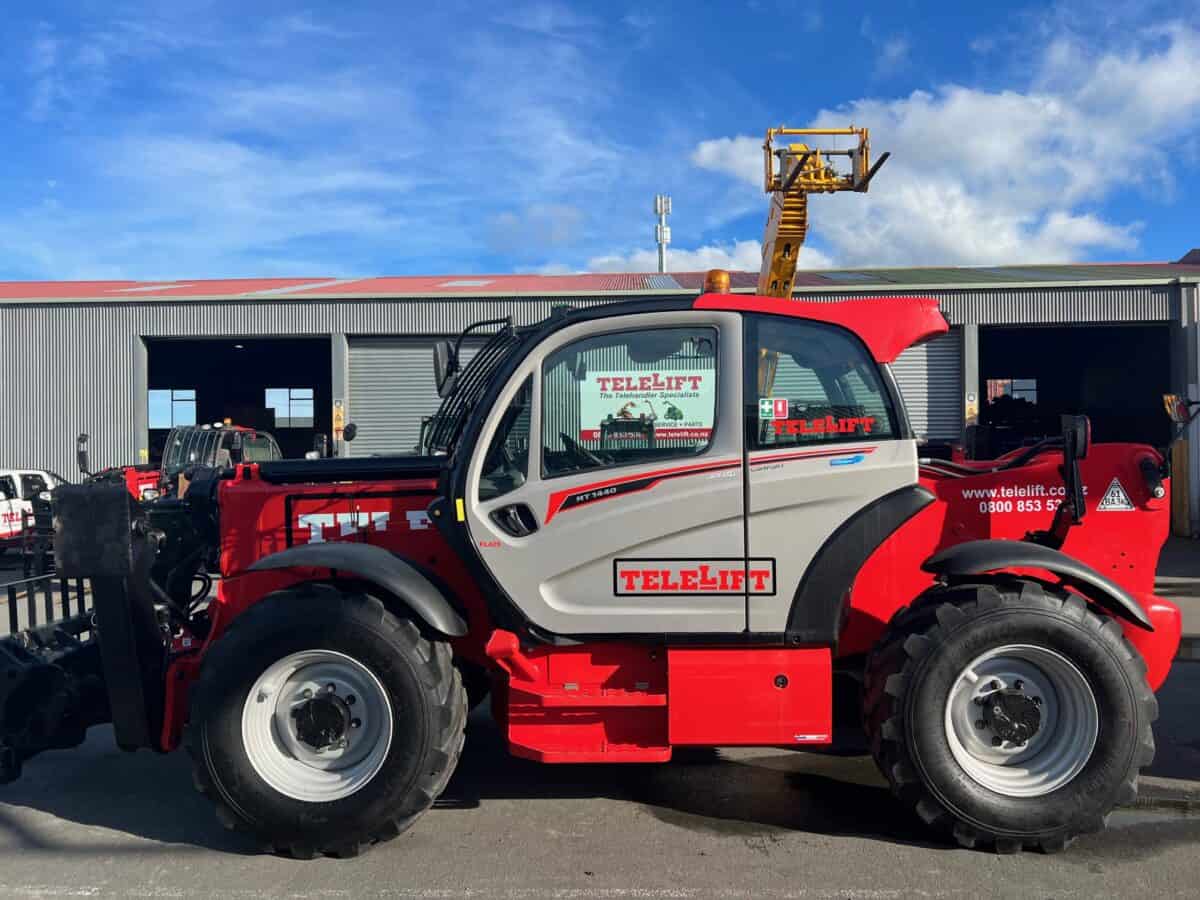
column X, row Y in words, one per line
column 86, row 356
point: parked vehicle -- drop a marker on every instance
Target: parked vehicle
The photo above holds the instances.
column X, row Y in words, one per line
column 782, row 564
column 187, row 446
column 18, row 489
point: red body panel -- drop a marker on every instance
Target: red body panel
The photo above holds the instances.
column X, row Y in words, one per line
column 139, row 477
column 1122, row 544
column 627, row 701
column 755, row 696
column 259, row 519
column 602, row 702
column 886, row 331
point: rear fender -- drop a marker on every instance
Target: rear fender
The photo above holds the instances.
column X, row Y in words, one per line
column 375, row 566
column 975, row 558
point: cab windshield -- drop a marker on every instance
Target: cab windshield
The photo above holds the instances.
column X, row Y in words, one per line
column 188, row 447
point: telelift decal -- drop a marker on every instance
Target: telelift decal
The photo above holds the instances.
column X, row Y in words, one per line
column 321, row 518
column 714, row 577
column 626, row 405
column 827, row 425
column 561, row 501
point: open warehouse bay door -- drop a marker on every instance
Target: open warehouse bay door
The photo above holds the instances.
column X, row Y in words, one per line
column 391, row 391
column 930, row 377
column 279, row 385
column 1115, row 374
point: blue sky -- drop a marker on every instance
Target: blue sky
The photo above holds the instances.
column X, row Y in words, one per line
column 191, row 139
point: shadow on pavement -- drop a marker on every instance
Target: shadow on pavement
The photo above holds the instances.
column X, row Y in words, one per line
column 745, row 792
column 1177, row 731
column 755, row 794
column 751, row 794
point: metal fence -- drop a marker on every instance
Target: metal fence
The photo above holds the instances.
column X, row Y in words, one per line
column 45, row 599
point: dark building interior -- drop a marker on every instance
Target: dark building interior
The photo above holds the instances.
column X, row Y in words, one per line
column 1117, row 375
column 280, row 385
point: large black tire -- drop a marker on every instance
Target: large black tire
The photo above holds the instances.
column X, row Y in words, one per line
column 419, row 678
column 909, row 679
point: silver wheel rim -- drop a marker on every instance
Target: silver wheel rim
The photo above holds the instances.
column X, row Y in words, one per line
column 272, row 739
column 1062, row 745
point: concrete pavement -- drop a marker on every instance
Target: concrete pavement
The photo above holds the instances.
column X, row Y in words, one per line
column 728, row 824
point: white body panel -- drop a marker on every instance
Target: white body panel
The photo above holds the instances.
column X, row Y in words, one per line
column 562, row 575
column 14, row 509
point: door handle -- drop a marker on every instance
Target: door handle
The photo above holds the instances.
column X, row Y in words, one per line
column 515, row 520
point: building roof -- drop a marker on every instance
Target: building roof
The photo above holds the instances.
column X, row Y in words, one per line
column 433, row 286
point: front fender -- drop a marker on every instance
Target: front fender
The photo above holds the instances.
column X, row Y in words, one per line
column 982, row 557
column 380, row 567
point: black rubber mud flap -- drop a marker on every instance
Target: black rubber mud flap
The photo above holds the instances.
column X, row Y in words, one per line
column 981, row 557
column 378, row 566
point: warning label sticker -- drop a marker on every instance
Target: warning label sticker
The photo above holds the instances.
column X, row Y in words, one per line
column 1115, row 499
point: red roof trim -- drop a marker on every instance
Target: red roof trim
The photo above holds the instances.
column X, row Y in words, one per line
column 887, row 325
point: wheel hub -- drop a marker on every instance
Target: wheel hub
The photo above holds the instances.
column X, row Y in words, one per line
column 317, row 725
column 322, row 722
column 1021, row 720
column 1011, row 715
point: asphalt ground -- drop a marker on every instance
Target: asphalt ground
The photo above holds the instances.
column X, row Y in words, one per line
column 730, row 823
column 733, row 823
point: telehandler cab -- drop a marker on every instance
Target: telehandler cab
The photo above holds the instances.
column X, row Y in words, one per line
column 721, row 581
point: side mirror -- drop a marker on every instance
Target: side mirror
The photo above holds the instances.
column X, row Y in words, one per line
column 81, row 454
column 320, row 448
column 350, row 432
column 1077, row 436
column 445, row 367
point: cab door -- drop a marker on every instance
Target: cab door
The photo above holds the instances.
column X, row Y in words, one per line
column 609, row 499
column 825, row 442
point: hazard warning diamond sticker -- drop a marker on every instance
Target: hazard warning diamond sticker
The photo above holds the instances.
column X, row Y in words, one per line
column 1115, row 499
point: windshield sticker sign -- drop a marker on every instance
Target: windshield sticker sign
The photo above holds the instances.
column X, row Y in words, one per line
column 773, row 408
column 827, row 425
column 718, row 577
column 671, row 405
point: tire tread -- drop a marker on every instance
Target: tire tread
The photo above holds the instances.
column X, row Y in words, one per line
column 438, row 674
column 914, row 632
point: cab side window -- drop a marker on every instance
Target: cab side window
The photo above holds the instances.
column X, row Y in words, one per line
column 811, row 383
column 506, row 465
column 628, row 397
column 8, row 489
column 258, row 448
column 32, row 484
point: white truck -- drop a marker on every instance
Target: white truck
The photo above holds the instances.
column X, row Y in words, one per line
column 18, row 487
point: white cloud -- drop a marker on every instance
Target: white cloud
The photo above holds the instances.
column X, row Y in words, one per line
column 740, row 256
column 545, row 19
column 740, row 156
column 981, row 177
column 891, row 51
column 542, row 225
